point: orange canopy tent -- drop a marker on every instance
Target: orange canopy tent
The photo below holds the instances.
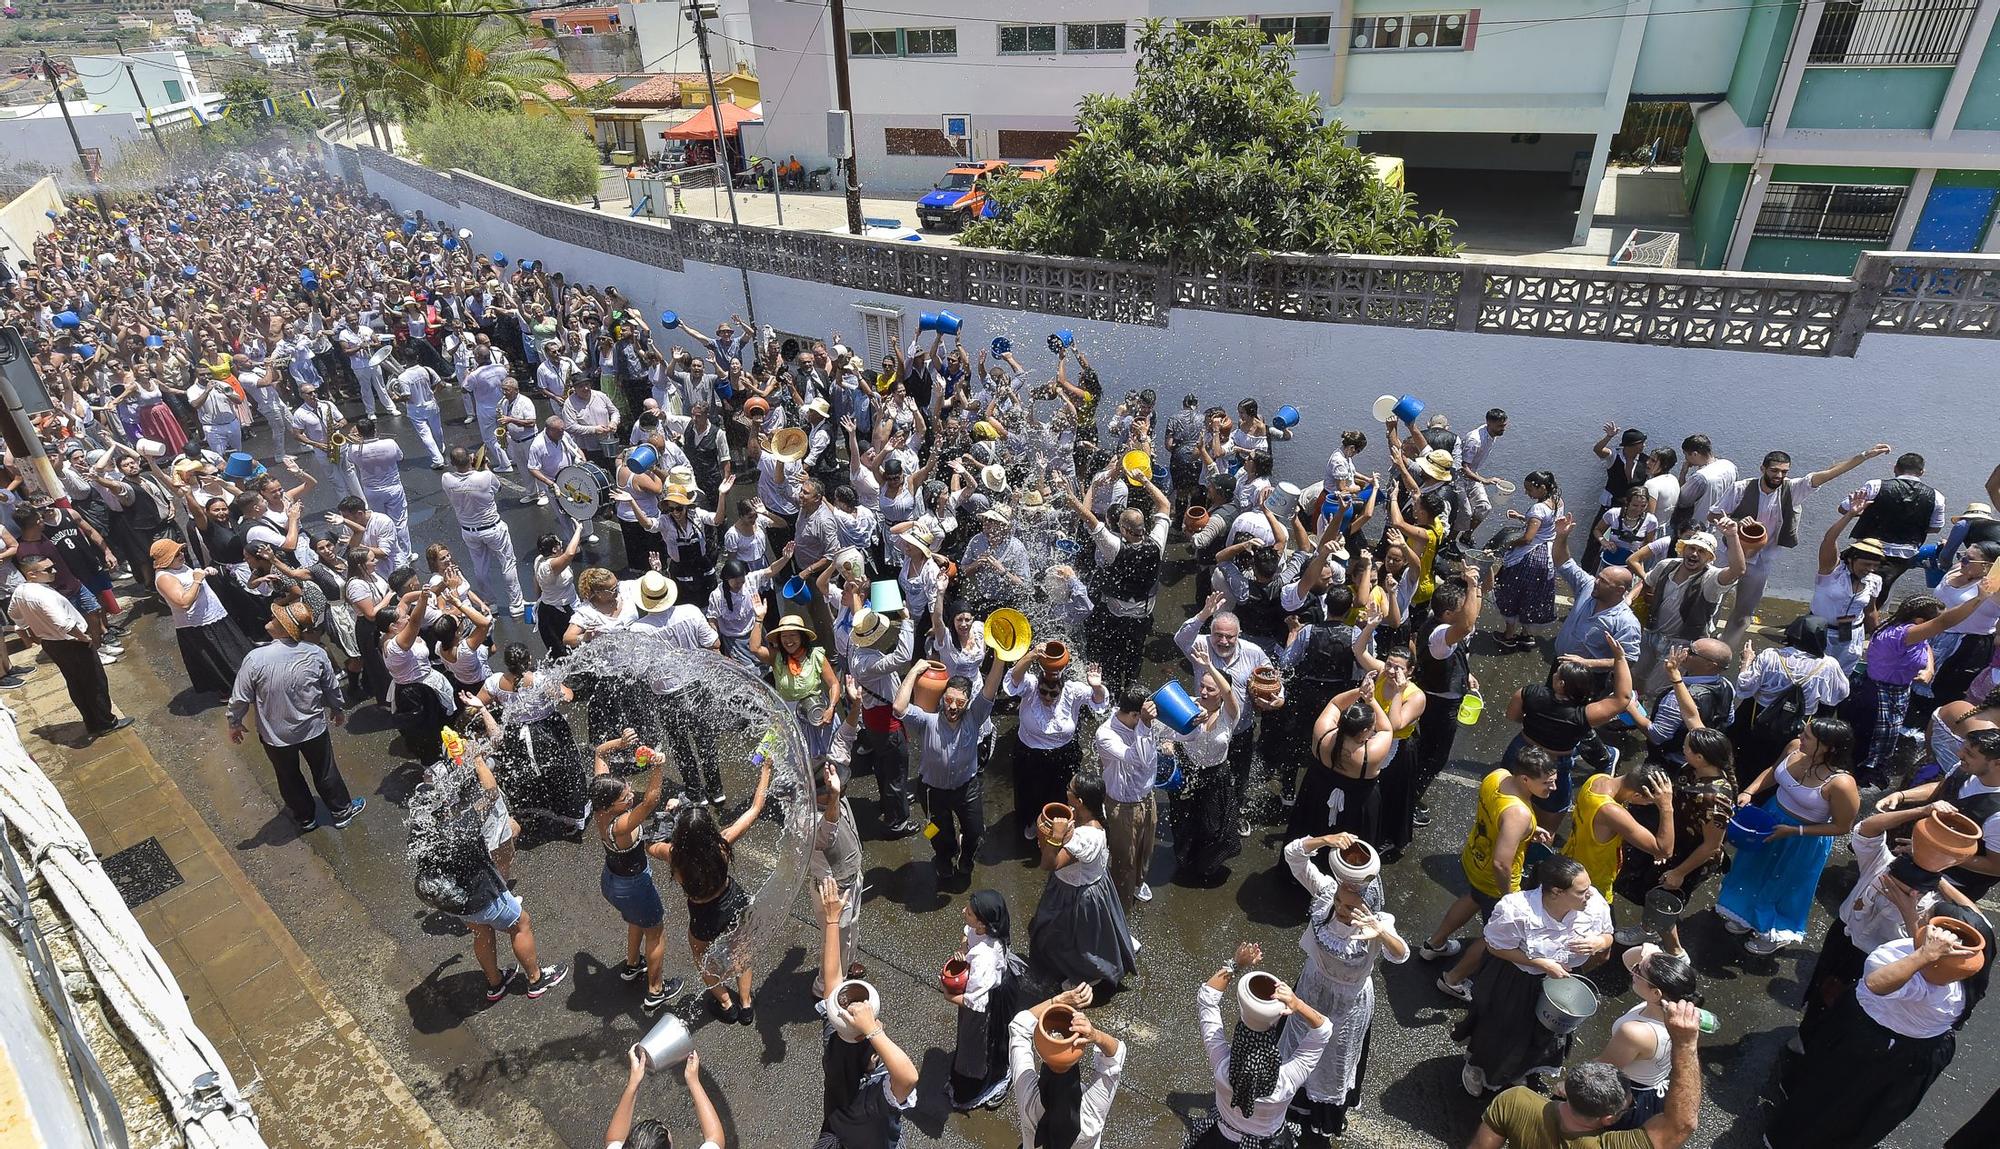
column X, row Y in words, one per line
column 701, row 125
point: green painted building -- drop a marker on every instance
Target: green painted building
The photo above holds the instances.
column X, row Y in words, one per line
column 1849, row 126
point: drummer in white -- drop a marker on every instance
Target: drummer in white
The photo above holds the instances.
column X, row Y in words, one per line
column 551, row 452
column 473, row 493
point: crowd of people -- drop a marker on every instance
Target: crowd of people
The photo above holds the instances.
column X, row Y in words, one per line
column 947, row 564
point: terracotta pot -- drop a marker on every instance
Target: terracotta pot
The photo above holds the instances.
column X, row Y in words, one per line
column 1054, row 657
column 956, row 974
column 1956, row 968
column 1752, row 535
column 1257, row 1002
column 1055, row 821
column 1265, row 683
column 1052, row 1038
column 930, row 687
column 1194, row 520
column 1942, row 840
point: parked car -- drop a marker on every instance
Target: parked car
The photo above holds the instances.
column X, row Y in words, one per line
column 1029, row 172
column 955, row 200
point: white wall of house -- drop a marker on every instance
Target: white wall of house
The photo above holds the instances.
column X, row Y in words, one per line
column 1560, row 391
column 164, row 78
column 40, row 143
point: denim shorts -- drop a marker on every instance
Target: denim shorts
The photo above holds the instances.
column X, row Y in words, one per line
column 635, row 897
column 500, row 914
column 86, row 601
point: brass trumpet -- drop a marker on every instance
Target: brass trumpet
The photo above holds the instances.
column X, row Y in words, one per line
column 334, row 443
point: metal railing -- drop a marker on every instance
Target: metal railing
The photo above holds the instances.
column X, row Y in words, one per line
column 1902, row 292
column 101, row 1113
column 1879, row 32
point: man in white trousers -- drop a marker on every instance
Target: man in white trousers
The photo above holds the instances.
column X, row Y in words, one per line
column 359, row 344
column 379, row 463
column 484, row 387
column 520, row 424
column 474, row 495
column 417, row 387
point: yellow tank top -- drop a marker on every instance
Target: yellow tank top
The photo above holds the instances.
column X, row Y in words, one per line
column 1477, row 858
column 1388, row 704
column 1600, row 859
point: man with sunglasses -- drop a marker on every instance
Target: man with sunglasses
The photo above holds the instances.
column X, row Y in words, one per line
column 47, row 616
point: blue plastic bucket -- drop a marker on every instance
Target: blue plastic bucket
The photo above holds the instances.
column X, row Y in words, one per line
column 670, row 319
column 1409, row 409
column 1176, row 708
column 1002, row 345
column 1168, row 775
column 797, row 589
column 1286, row 418
column 1751, row 824
column 943, row 321
column 642, row 459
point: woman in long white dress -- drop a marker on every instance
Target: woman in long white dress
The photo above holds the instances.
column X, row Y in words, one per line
column 1347, row 932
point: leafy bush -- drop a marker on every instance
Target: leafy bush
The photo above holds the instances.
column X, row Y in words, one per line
column 1214, row 156
column 542, row 155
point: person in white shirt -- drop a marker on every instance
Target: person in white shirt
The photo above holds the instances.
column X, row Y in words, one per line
column 1128, row 748
column 1706, row 485
column 986, row 1002
column 378, row 463
column 549, row 454
column 1473, row 447
column 474, row 495
column 1046, row 752
column 44, row 615
column 417, row 388
column 314, row 424
column 593, row 419
column 518, row 426
column 359, row 344
column 622, row 1133
column 372, row 530
column 1254, row 1083
column 1239, row 660
column 1776, row 501
column 214, row 405
column 485, row 384
column 1054, row 1102
column 1558, row 926
column 262, row 388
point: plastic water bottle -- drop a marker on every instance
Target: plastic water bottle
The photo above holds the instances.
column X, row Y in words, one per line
column 1706, row 1021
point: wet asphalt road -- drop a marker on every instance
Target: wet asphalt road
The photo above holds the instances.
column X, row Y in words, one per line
column 547, row 1072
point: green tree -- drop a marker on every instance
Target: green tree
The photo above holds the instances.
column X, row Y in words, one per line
column 411, row 54
column 541, row 155
column 1215, row 155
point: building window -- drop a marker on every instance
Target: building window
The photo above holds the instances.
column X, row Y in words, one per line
column 1022, row 39
column 1093, row 37
column 1864, row 212
column 173, row 91
column 881, row 330
column 1875, row 32
column 882, row 43
column 930, row 41
column 1418, row 32
column 1198, row 27
column 1305, row 31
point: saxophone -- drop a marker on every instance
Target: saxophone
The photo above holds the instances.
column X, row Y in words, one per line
column 334, row 443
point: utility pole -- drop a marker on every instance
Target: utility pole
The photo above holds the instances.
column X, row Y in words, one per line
column 700, row 10
column 55, row 85
column 360, row 93
column 146, row 108
column 844, row 93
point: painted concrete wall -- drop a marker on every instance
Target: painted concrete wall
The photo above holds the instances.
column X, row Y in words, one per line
column 1982, row 100
column 23, row 219
column 1690, row 47
column 1560, row 391
column 1759, row 59
column 1870, row 98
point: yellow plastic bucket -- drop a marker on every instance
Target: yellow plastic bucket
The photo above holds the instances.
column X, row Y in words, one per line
column 1470, row 708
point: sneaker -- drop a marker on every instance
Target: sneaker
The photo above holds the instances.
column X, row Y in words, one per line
column 1462, row 990
column 111, row 646
column 1473, row 1079
column 1763, row 945
column 1451, row 948
column 655, row 1002
column 1242, row 827
column 437, row 466
column 1027, row 831
column 1145, row 893
column 1735, row 927
column 307, row 826
column 590, row 540
column 345, row 816
column 496, row 992
column 903, row 829
column 107, row 659
column 14, row 681
column 630, row 972
column 552, row 976
column 1629, row 935
column 1421, row 816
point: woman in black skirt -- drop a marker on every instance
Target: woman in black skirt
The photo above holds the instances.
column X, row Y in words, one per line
column 425, row 700
column 1204, row 811
column 536, row 757
column 698, row 856
column 212, row 647
column 986, row 1003
column 1877, row 1052
column 1351, row 743
column 373, row 603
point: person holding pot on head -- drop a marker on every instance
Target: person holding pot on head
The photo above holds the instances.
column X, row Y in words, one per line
column 1352, row 742
column 982, row 979
column 1079, row 931
column 1901, row 1023
column 651, row 1133
column 1641, row 1045
column 948, row 764
column 1347, row 932
column 1046, row 751
column 1812, row 800
column 1057, row 1108
column 869, row 1082
column 1559, row 927
column 1254, row 1080
column 619, row 812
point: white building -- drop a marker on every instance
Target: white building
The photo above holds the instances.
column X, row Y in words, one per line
column 1539, row 86
column 666, row 39
column 244, row 37
column 276, row 54
column 185, row 18
column 165, row 77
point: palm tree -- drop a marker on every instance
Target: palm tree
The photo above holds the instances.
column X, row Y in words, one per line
column 414, row 54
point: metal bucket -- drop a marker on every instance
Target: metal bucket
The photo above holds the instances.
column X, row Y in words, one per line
column 667, row 1044
column 1663, row 911
column 1566, row 1003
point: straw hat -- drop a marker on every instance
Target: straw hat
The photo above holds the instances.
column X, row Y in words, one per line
column 997, row 514
column 793, row 624
column 789, row 444
column 819, row 407
column 1980, row 512
column 1032, row 499
column 1867, row 548
column 993, row 477
column 870, row 627
column 1436, row 464
column 657, row 592
column 678, row 496
column 1700, row 539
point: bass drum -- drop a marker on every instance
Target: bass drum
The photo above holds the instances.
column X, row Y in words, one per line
column 580, row 490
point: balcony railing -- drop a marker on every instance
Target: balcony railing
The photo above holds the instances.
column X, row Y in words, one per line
column 1866, row 33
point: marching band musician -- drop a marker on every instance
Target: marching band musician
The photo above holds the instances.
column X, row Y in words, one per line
column 517, row 424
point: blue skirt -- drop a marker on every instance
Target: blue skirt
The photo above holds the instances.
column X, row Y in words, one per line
column 1771, row 883
column 635, row 897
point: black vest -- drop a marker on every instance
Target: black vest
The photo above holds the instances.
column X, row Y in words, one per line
column 1715, row 701
column 1750, row 492
column 1900, row 513
column 1133, row 572
column 1982, row 531
column 1619, row 477
column 1260, row 612
column 1442, row 676
column 1696, row 611
column 1978, row 807
column 1328, row 659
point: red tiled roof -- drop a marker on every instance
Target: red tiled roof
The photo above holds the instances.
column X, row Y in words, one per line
column 659, row 90
column 584, row 81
